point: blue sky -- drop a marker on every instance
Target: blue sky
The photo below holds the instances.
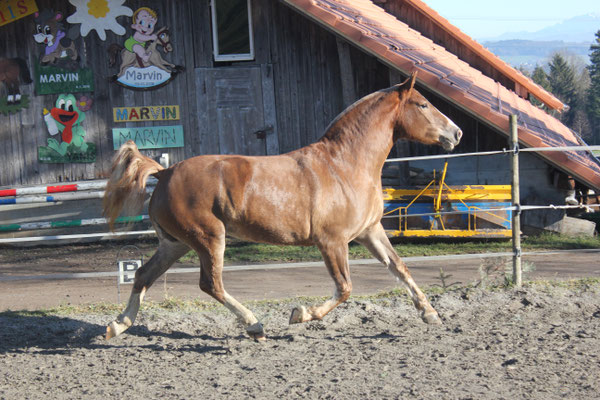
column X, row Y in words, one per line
column 485, row 19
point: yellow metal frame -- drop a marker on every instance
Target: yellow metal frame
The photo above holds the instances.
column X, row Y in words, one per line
column 445, row 192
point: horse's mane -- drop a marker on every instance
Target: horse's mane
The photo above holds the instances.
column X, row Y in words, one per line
column 355, row 115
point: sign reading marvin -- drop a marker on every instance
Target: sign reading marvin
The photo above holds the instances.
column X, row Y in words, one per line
column 149, row 137
column 148, row 113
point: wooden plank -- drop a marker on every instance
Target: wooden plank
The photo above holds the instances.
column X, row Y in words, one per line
column 346, row 72
column 269, row 110
column 208, row 142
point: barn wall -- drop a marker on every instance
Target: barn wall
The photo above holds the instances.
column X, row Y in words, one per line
column 23, row 132
column 313, row 74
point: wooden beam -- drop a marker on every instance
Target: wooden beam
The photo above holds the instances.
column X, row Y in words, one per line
column 346, row 73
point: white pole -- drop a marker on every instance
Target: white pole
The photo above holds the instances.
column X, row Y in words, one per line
column 516, row 216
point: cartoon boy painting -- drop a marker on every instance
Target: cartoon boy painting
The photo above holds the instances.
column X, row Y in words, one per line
column 144, row 21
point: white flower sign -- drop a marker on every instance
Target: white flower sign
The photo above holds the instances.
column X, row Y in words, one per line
column 99, row 15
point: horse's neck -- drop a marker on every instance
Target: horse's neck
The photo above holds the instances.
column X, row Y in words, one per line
column 363, row 133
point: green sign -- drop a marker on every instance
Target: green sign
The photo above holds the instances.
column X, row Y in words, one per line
column 149, row 137
column 54, row 80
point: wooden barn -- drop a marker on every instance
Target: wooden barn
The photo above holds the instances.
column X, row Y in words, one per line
column 254, row 77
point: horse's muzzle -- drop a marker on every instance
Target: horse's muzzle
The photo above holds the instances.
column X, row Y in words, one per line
column 451, row 139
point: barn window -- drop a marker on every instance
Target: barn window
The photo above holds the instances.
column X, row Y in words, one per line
column 232, row 30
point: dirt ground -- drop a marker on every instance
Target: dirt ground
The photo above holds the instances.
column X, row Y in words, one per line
column 540, row 342
column 535, row 343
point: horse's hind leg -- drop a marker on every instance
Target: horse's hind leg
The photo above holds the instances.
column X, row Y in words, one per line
column 167, row 253
column 336, row 260
column 210, row 247
column 376, row 241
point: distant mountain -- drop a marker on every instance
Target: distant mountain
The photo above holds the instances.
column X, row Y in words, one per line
column 529, row 53
column 576, row 29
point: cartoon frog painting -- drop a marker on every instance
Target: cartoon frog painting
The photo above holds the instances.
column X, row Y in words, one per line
column 66, row 118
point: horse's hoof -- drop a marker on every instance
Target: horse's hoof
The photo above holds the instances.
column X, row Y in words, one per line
column 431, row 318
column 299, row 315
column 258, row 337
column 256, row 332
column 115, row 328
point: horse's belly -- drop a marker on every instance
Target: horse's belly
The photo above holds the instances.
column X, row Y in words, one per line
column 271, row 231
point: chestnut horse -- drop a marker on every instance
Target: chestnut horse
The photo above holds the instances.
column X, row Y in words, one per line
column 325, row 194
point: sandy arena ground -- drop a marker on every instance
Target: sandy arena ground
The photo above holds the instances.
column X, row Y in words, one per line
column 540, row 342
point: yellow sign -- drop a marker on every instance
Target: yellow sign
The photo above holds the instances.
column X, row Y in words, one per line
column 12, row 10
column 148, row 113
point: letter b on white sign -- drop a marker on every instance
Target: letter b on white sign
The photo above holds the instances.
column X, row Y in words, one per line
column 127, row 270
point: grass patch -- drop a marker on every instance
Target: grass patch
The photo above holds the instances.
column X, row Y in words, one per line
column 195, row 305
column 238, row 252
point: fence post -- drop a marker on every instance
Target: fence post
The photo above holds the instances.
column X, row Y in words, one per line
column 516, row 215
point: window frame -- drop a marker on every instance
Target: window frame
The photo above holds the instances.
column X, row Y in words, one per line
column 215, row 37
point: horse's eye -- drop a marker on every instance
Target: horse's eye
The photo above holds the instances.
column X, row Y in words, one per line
column 424, row 105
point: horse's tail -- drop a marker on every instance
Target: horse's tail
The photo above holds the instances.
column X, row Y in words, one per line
column 113, row 50
column 126, row 187
column 24, row 70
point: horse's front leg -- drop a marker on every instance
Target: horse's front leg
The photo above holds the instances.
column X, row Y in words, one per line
column 336, row 260
column 377, row 242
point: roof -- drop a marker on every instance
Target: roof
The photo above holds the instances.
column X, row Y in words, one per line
column 397, row 45
column 490, row 58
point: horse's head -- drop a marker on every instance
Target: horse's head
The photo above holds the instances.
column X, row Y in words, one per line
column 418, row 120
column 164, row 38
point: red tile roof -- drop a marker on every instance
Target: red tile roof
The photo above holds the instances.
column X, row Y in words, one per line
column 397, row 45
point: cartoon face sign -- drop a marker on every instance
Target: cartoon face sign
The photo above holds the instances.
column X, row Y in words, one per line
column 68, row 114
column 50, row 32
column 67, row 142
column 144, row 23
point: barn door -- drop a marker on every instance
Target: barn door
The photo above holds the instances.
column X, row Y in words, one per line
column 239, row 109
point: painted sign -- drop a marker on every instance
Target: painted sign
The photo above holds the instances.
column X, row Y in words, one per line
column 142, row 65
column 58, row 42
column 12, row 10
column 149, row 113
column 149, row 137
column 13, row 72
column 99, row 15
column 53, row 80
column 64, row 123
column 127, row 270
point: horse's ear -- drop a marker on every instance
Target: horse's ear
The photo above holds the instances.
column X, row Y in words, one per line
column 409, row 83
column 413, row 79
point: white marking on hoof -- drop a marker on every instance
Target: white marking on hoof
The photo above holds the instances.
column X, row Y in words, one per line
column 431, row 318
column 299, row 314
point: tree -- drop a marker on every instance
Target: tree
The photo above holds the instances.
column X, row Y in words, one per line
column 593, row 92
column 540, row 77
column 562, row 85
